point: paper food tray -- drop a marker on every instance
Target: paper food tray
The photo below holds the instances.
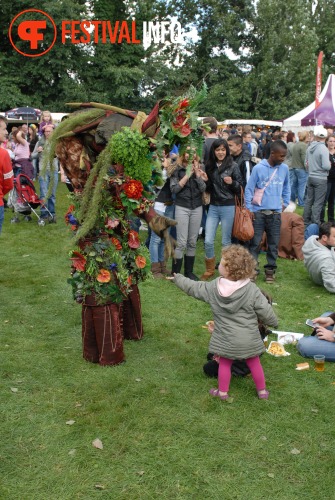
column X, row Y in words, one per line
column 285, row 353
column 287, row 337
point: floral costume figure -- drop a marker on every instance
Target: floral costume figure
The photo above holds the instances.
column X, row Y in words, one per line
column 107, row 155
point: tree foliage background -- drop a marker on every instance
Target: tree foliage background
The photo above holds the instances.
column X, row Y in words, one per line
column 257, row 58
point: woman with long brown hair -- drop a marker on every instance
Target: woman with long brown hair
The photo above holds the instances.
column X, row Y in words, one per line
column 224, row 182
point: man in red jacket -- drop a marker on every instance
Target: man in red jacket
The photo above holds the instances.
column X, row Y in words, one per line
column 6, row 171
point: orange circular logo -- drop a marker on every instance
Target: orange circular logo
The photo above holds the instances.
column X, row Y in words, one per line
column 32, row 33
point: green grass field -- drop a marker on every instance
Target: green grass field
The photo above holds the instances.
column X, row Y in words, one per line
column 163, row 435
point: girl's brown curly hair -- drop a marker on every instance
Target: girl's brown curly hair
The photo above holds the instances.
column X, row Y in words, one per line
column 238, row 262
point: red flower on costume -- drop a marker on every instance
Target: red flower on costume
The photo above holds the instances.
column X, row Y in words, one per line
column 78, row 261
column 184, row 104
column 133, row 189
column 140, row 261
column 180, row 125
column 130, row 280
column 133, row 239
column 116, row 243
column 104, row 276
column 179, row 121
column 185, row 130
column 70, row 210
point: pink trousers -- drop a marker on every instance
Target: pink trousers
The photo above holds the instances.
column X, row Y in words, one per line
column 254, row 365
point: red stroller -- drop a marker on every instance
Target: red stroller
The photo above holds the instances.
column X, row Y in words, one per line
column 23, row 199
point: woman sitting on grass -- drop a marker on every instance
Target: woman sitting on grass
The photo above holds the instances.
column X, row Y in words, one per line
column 237, row 305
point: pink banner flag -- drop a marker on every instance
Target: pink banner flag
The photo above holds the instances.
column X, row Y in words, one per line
column 318, row 80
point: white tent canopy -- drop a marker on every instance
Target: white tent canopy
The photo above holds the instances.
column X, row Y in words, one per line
column 324, row 114
column 251, row 122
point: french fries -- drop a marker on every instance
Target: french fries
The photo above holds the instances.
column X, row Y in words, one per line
column 276, row 349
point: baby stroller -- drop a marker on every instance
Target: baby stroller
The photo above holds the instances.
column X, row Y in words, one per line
column 23, row 199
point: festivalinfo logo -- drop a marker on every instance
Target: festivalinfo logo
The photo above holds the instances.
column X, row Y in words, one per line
column 33, row 32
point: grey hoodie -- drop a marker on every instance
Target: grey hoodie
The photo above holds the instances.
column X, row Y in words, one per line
column 317, row 160
column 320, row 263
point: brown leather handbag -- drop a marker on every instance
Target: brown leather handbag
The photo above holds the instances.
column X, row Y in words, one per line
column 243, row 228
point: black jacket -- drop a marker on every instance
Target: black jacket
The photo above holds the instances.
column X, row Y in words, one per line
column 241, row 160
column 190, row 196
column 222, row 193
column 165, row 195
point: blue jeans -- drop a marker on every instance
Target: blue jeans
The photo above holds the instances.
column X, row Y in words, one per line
column 217, row 214
column 156, row 245
column 311, row 230
column 270, row 224
column 35, row 165
column 298, row 180
column 310, row 346
column 170, row 213
column 44, row 186
column 2, row 216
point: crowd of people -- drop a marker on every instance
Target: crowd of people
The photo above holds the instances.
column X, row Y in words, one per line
column 235, row 159
column 286, row 169
column 26, row 146
column 275, row 170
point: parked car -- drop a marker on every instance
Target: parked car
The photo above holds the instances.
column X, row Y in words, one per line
column 24, row 113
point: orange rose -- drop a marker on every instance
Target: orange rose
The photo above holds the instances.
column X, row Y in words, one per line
column 104, row 276
column 140, row 261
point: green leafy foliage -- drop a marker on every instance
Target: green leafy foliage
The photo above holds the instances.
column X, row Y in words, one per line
column 130, row 148
column 102, row 273
column 180, row 124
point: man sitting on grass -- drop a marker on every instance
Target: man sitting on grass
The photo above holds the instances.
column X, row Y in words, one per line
column 319, row 256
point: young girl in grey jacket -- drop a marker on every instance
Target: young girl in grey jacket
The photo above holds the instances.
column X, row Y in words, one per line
column 237, row 304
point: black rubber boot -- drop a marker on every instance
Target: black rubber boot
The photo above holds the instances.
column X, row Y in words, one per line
column 188, row 270
column 176, row 266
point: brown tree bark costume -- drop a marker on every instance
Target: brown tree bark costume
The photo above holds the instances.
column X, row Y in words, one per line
column 131, row 321
column 102, row 333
